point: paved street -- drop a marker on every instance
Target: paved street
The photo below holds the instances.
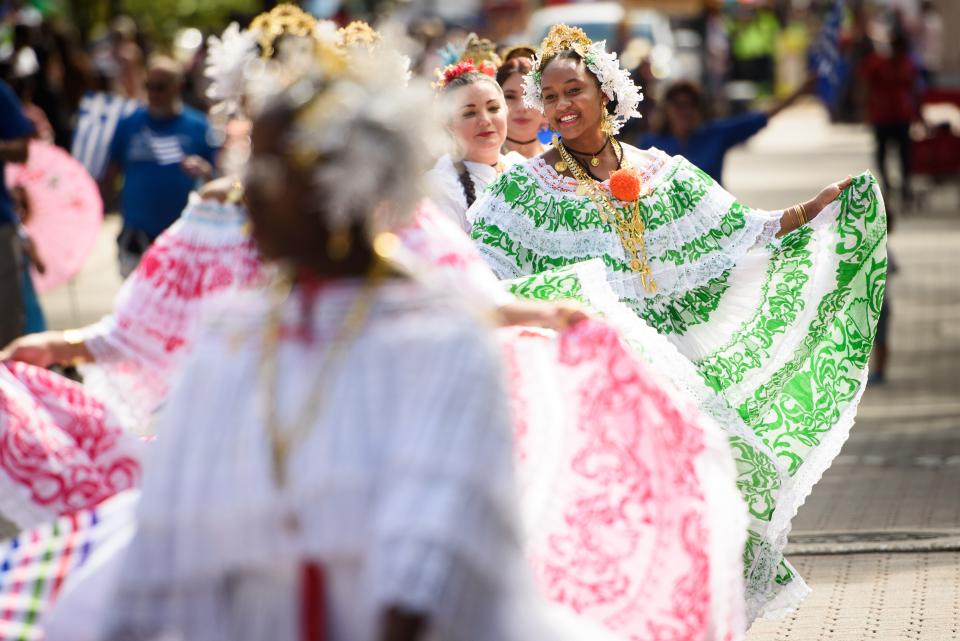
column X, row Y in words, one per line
column 879, row 540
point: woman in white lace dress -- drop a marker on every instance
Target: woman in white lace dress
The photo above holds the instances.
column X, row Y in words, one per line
column 337, row 456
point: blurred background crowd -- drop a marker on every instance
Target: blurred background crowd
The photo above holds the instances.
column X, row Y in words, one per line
column 697, row 60
column 713, row 72
column 708, row 58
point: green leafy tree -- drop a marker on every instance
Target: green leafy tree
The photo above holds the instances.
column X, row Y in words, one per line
column 164, row 17
column 160, row 18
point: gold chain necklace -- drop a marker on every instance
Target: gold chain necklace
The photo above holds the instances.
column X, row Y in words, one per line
column 630, row 230
column 283, row 438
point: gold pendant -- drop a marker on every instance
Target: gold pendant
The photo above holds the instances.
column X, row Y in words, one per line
column 279, row 461
column 560, row 166
column 581, row 190
column 594, row 162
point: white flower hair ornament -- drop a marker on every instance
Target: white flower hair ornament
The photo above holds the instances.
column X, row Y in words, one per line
column 615, row 81
column 227, row 59
column 360, row 36
column 234, row 58
column 357, row 125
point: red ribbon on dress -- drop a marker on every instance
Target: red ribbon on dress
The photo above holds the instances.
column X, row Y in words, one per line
column 313, row 603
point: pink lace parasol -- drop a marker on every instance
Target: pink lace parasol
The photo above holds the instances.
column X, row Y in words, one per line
column 65, row 211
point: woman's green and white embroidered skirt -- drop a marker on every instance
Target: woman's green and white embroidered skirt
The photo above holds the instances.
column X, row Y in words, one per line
column 779, row 360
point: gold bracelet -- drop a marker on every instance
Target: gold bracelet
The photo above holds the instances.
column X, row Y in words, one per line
column 72, row 337
column 235, row 195
column 803, row 214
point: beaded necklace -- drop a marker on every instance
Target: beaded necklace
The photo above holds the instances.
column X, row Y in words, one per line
column 630, row 230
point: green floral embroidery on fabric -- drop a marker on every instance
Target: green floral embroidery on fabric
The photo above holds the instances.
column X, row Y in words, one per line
column 495, row 240
column 758, row 547
column 781, row 301
column 802, row 401
column 561, row 284
column 525, row 260
column 493, row 237
column 785, row 574
column 675, row 314
column 676, row 196
column 757, row 478
column 548, row 211
column 708, row 243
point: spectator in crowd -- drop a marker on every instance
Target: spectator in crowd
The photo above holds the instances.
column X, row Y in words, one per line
column 930, row 42
column 685, row 130
column 716, row 49
column 78, row 72
column 128, row 56
column 25, row 88
column 893, row 101
column 162, row 150
column 754, row 34
column 15, row 131
column 523, row 123
column 856, row 44
column 33, row 318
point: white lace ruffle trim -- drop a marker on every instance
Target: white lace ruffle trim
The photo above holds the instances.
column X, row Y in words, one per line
column 759, row 228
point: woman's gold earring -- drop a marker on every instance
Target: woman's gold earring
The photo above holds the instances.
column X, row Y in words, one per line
column 606, row 123
column 338, row 244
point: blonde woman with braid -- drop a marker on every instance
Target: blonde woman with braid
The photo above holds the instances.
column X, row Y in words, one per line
column 474, row 113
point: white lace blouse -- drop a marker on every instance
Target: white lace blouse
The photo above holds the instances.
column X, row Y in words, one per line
column 445, row 189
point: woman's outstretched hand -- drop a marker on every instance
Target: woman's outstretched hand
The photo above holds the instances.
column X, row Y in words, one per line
column 556, row 316
column 48, row 348
column 219, row 189
column 34, row 349
column 796, row 216
column 829, row 194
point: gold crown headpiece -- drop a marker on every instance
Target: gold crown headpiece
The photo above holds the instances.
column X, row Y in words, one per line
column 480, row 50
column 561, row 38
column 518, row 51
column 615, row 81
column 284, row 19
column 359, row 34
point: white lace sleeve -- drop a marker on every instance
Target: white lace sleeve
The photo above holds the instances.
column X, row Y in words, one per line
column 140, row 347
column 437, row 243
column 494, row 233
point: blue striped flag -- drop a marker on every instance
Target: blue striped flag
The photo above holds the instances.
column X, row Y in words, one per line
column 830, row 67
column 97, row 121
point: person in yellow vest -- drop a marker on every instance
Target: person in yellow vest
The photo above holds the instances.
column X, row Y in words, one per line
column 754, row 33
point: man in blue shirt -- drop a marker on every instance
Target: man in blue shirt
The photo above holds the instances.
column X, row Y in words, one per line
column 706, row 143
column 15, row 131
column 163, row 150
